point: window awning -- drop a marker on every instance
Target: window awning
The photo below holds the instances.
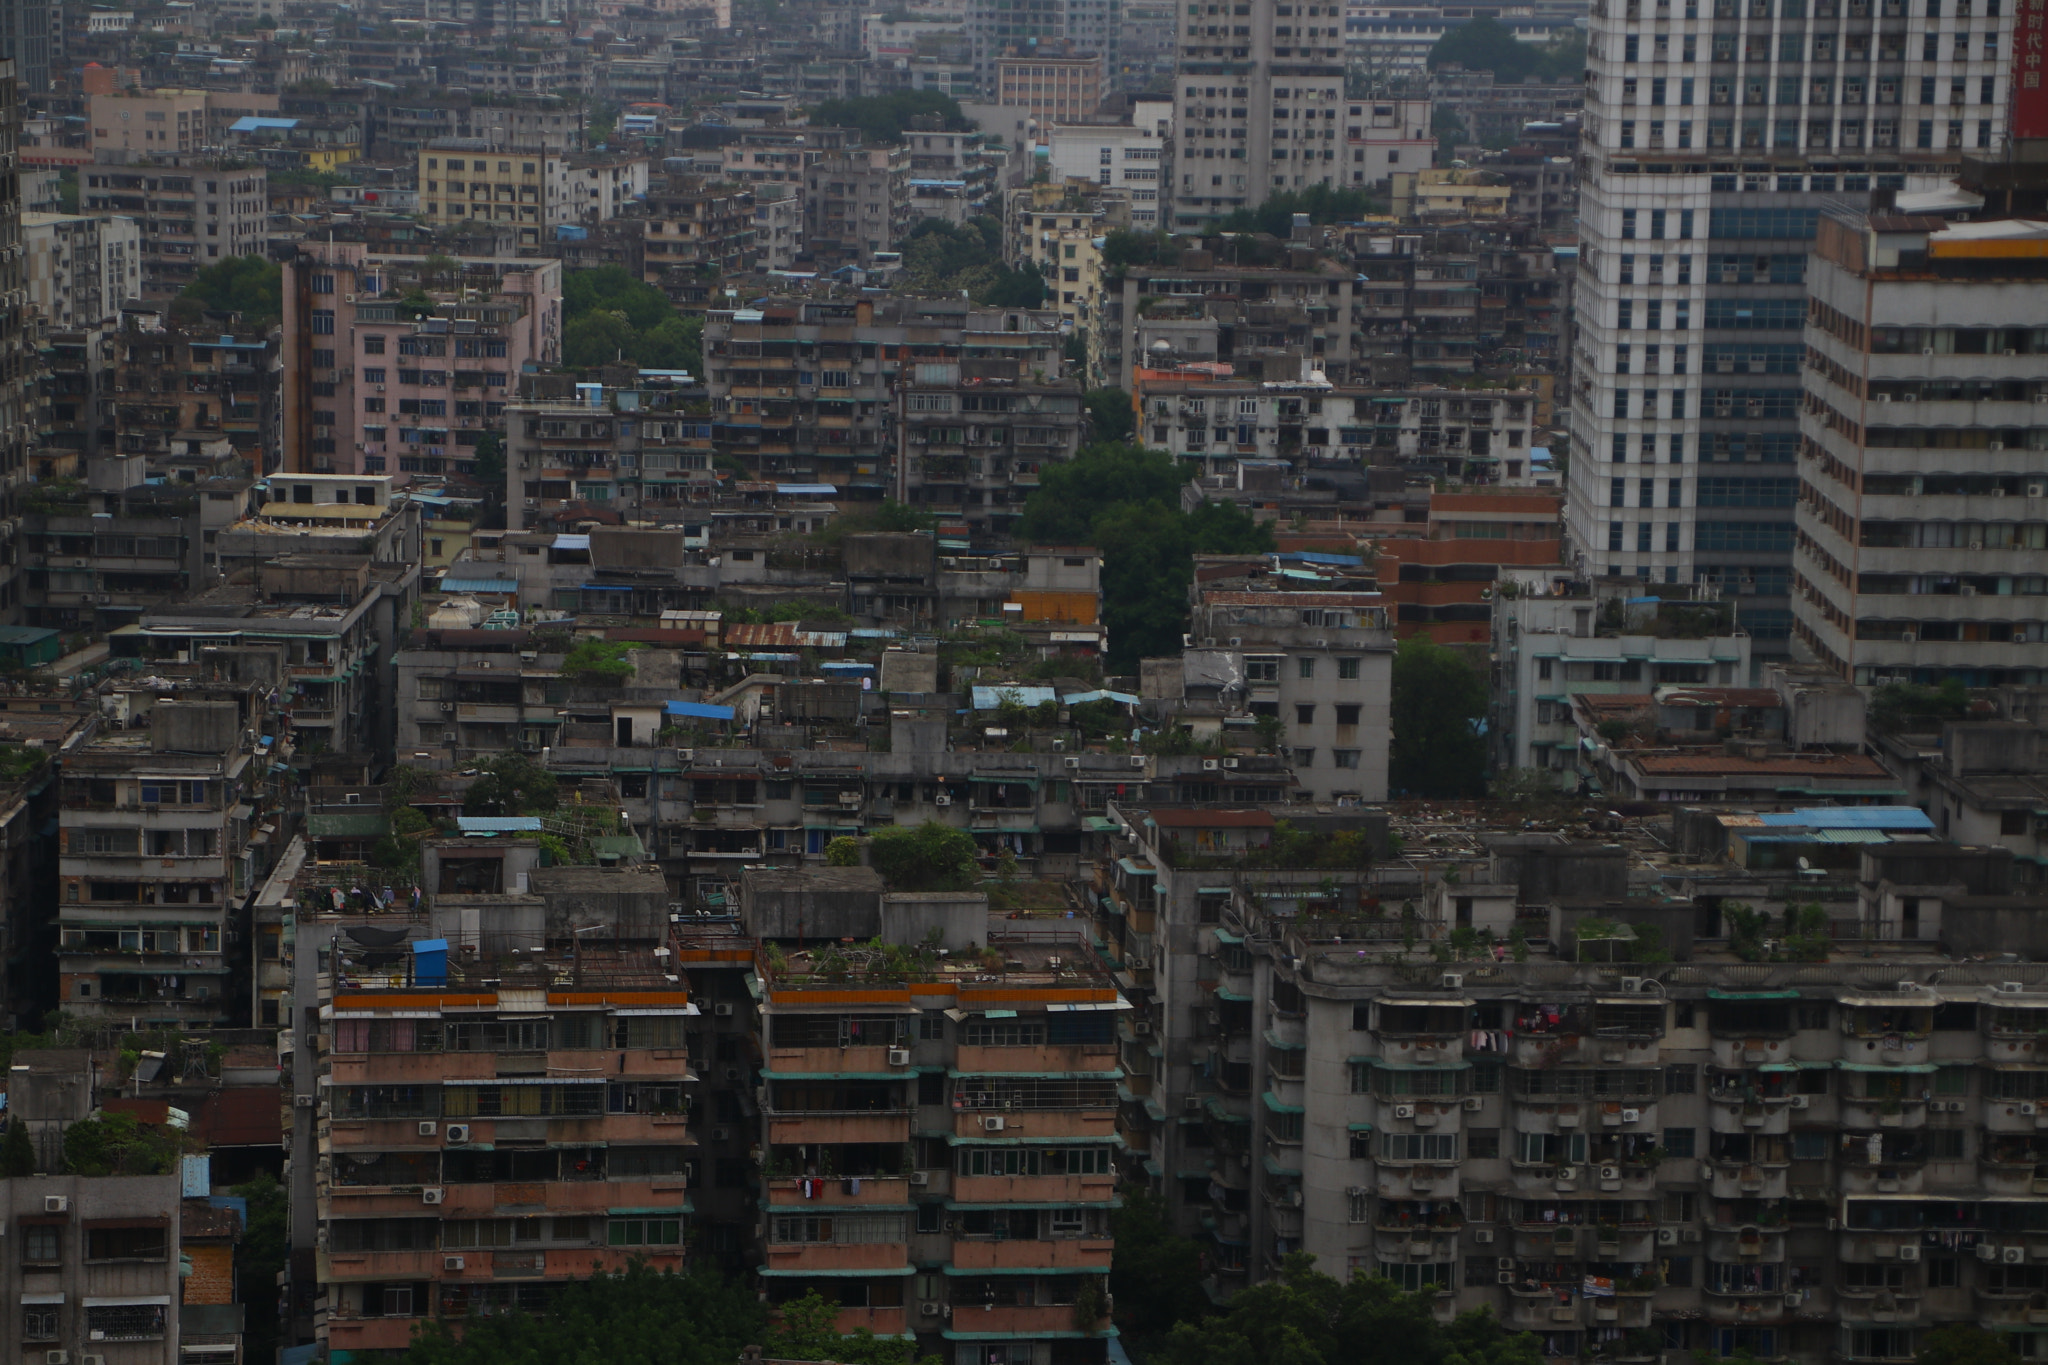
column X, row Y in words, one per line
column 1278, row 1107
column 1906, row 1068
column 1716, row 993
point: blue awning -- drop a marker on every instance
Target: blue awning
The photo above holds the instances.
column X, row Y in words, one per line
column 1075, row 698
column 815, row 490
column 989, row 698
column 450, row 583
column 700, row 710
column 252, row 125
column 498, row 824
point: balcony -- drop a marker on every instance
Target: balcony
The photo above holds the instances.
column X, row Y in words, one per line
column 1072, row 1253
column 890, row 1190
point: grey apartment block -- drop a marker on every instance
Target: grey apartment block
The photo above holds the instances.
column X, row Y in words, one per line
column 90, row 1269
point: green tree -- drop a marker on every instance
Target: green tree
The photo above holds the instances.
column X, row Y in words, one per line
column 1962, row 1344
column 1122, row 248
column 603, row 661
column 1110, row 414
column 1437, row 701
column 613, row 288
column 1911, row 706
column 1063, row 508
column 882, row 118
column 638, row 1316
column 1308, row 1318
column 260, row 1255
column 249, row 285
column 807, row 1329
column 1322, row 204
column 490, row 459
column 511, row 784
column 116, row 1144
column 399, row 849
column 605, row 337
column 17, row 1153
column 928, row 857
column 843, row 851
column 1486, row 44
column 1155, row 1273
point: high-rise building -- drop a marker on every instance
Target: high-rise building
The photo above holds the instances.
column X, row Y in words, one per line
column 25, row 31
column 18, row 403
column 1715, row 136
column 996, row 28
column 1260, row 97
column 1920, row 523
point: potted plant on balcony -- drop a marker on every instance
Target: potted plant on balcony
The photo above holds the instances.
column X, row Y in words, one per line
column 1091, row 1306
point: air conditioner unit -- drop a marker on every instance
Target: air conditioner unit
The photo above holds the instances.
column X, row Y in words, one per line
column 1404, row 1111
column 1141, row 1028
column 1483, row 1236
column 1688, row 1234
column 428, row 1128
column 56, row 1203
column 1209, row 765
column 1216, row 1018
column 1909, row 1253
column 1610, row 1172
column 305, row 1101
column 1137, row 760
column 1986, row 1251
column 1631, row 1116
column 56, row 1358
column 992, row 1123
column 920, row 1178
column 733, row 1075
column 1191, row 1103
column 92, row 1360
column 430, row 1196
column 899, row 1056
column 2026, row 1109
column 1504, row 1277
column 942, row 800
column 458, row 1132
column 1667, row 1237
column 1454, row 981
column 1631, row 984
column 1071, row 762
column 2036, row 490
column 1798, row 1101
column 1794, row 1300
column 928, row 1310
column 1472, row 1103
column 721, row 1134
column 2009, row 1255
column 1565, row 1174
column 452, row 1263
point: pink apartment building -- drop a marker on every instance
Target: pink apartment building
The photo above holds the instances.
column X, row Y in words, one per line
column 374, row 383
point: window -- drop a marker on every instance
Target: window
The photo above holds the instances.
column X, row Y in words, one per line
column 1304, row 714
column 1347, row 669
column 1306, row 667
column 127, row 1244
column 1679, row 1142
column 1420, row 1146
column 650, row 1232
column 1681, row 1080
column 42, row 1242
column 1482, row 1143
column 1344, row 758
column 1810, row 1016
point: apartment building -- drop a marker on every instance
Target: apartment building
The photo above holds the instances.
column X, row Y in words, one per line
column 79, row 268
column 961, row 1190
column 148, row 123
column 1549, row 650
column 856, row 203
column 1130, row 157
column 472, row 1153
column 802, row 390
column 159, row 808
column 643, row 450
column 193, row 213
column 778, row 226
column 1909, row 565
column 1240, row 315
column 18, row 402
column 1321, row 662
column 952, row 174
column 468, row 180
column 1443, row 583
column 1259, row 107
column 91, row 573
column 1712, row 144
column 29, row 858
column 93, row 1263
column 974, row 451
column 373, row 387
column 694, row 223
column 177, row 388
column 1056, row 86
column 1073, row 30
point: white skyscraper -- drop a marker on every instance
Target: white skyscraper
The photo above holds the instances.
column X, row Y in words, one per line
column 1259, row 94
column 1714, row 132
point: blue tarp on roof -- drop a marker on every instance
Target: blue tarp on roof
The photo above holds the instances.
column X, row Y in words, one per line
column 845, row 666
column 700, row 710
column 1317, row 557
column 1074, row 698
column 1850, row 817
column 254, row 125
column 821, row 490
column 450, row 583
column 989, row 698
column 498, row 824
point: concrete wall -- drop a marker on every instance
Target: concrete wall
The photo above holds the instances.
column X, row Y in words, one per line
column 812, row 903
column 194, row 727
column 960, row 917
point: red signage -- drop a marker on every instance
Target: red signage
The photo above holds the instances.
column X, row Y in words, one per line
column 2030, row 70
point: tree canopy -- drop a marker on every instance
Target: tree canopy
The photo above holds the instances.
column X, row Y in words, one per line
column 610, row 315
column 1308, row 1318
column 1109, row 412
column 1963, row 1344
column 116, row 1144
column 1155, row 1275
column 258, row 1259
column 927, row 857
column 638, row 1316
column 946, row 257
column 249, row 285
column 1486, row 44
column 1125, row 501
column 1322, row 204
column 882, row 118
column 807, row 1329
column 511, row 784
column 1437, row 750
